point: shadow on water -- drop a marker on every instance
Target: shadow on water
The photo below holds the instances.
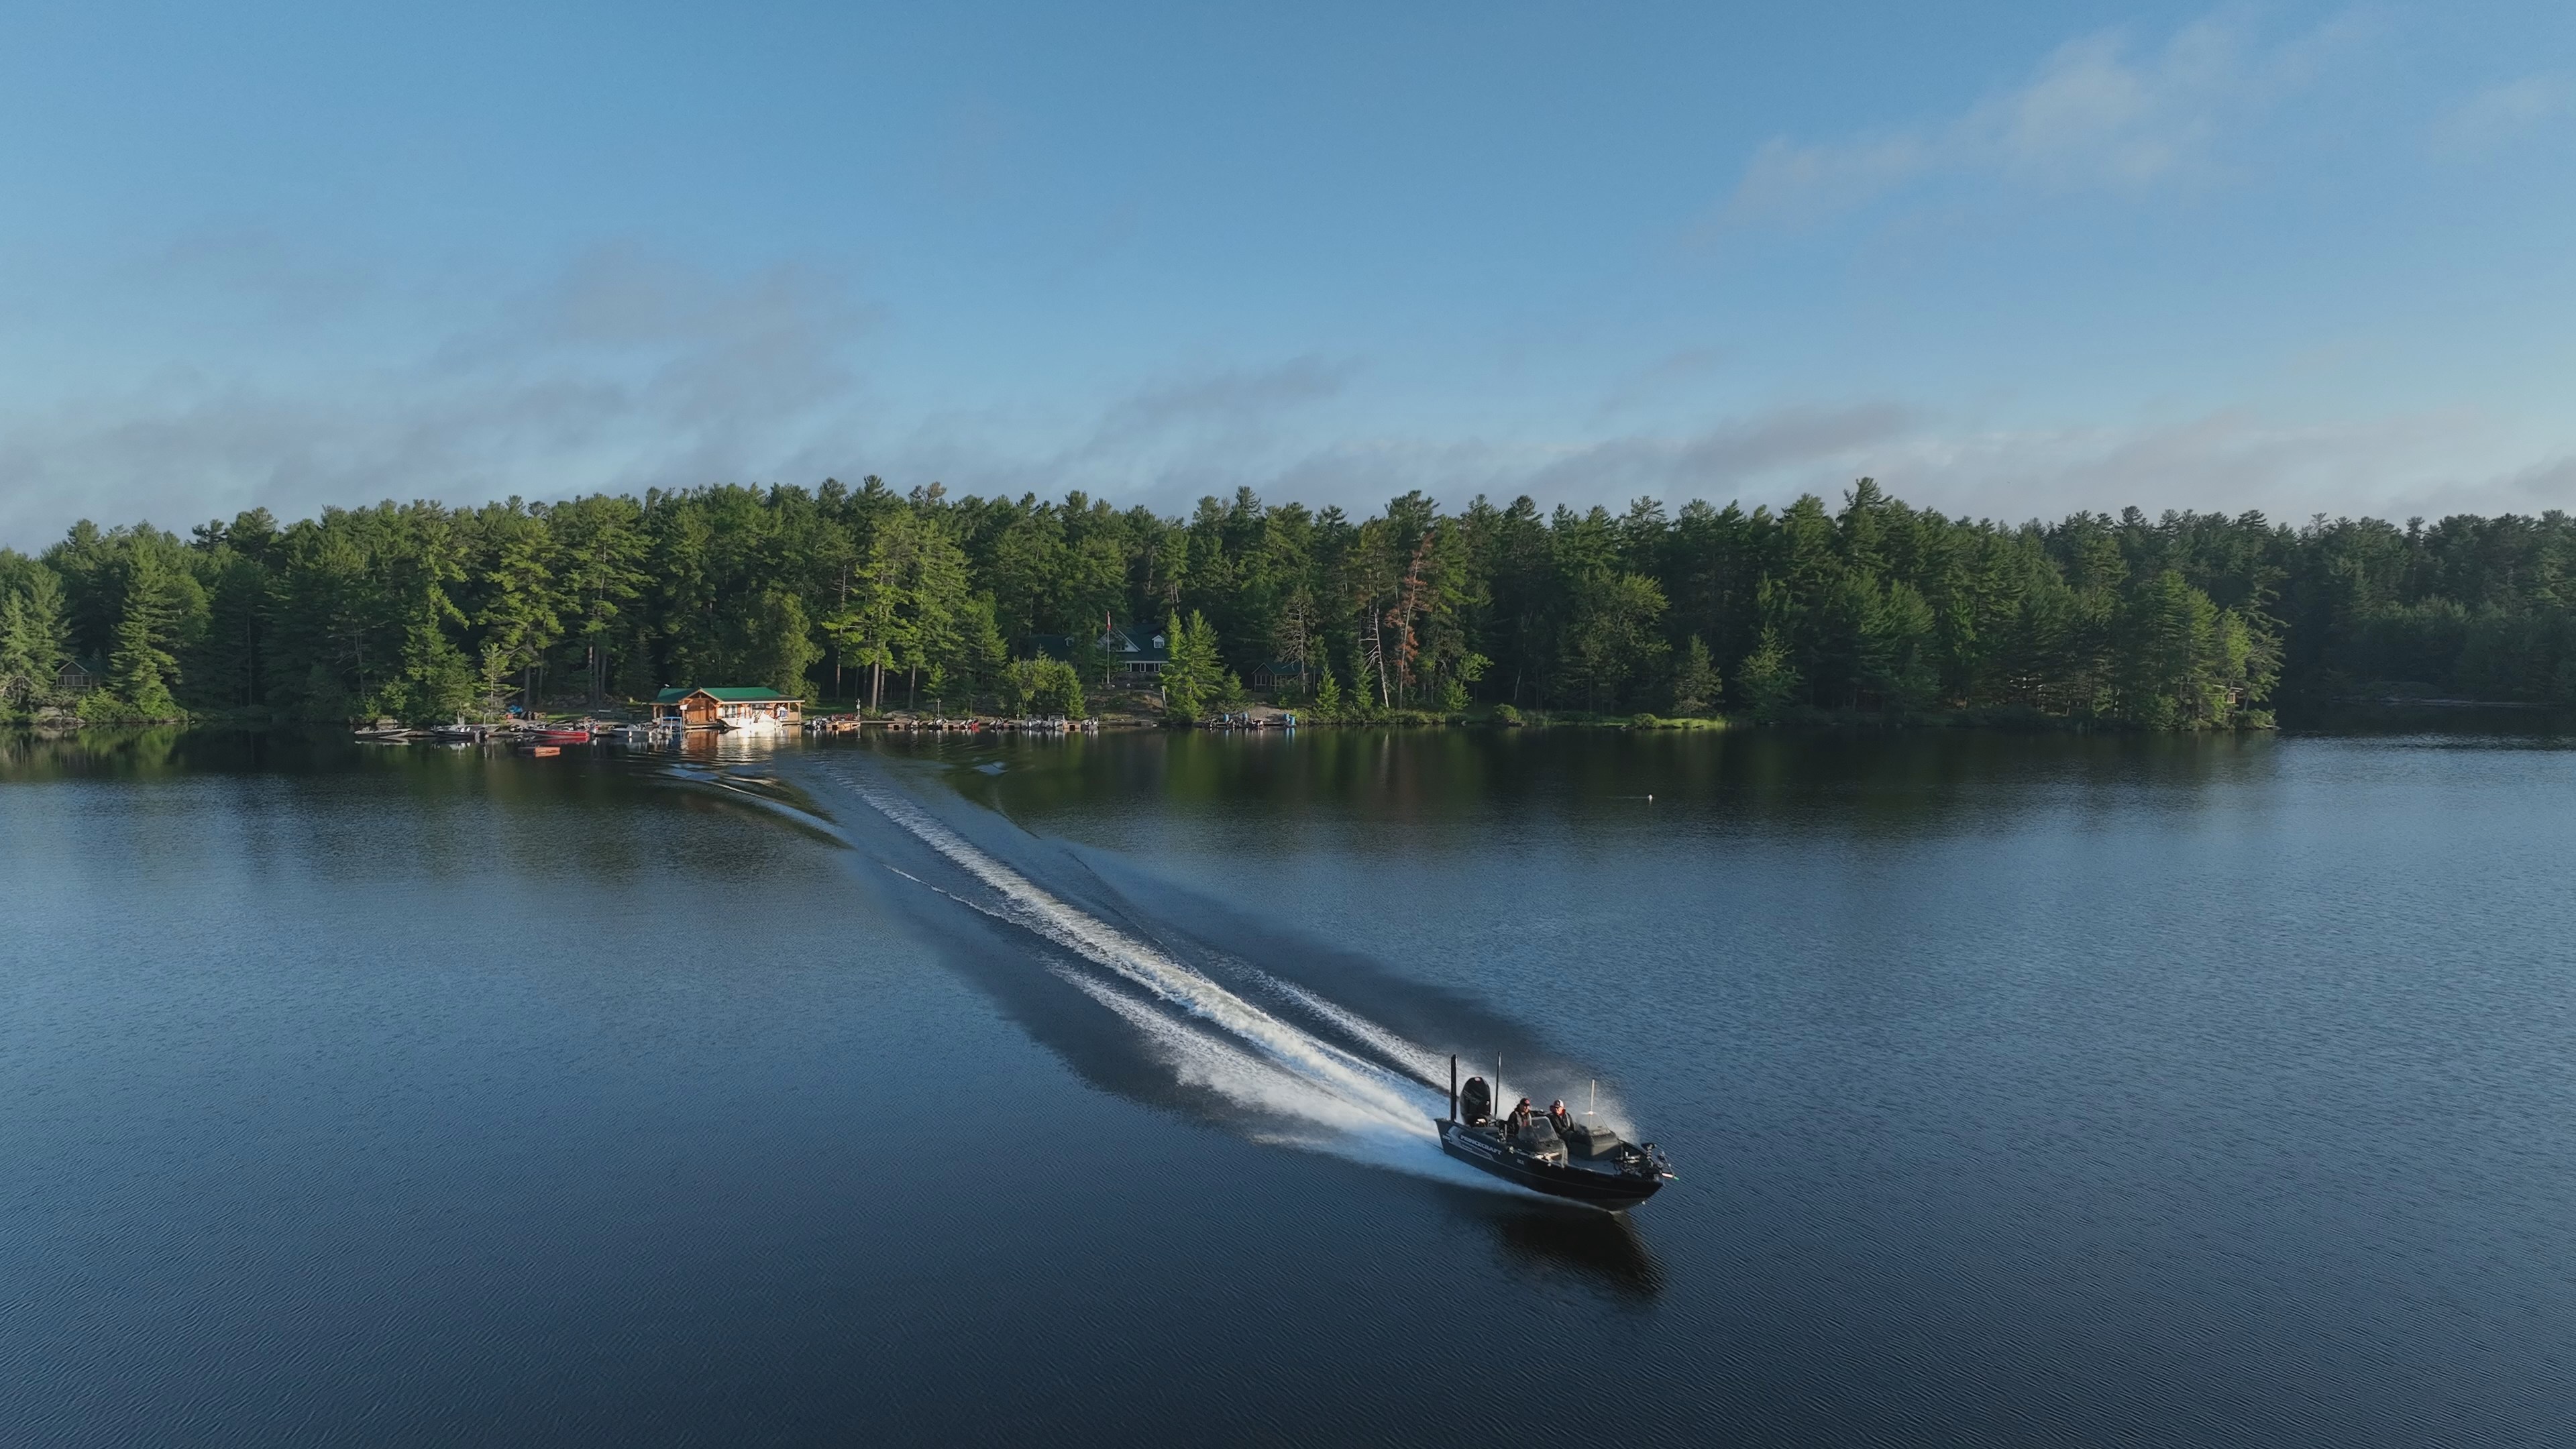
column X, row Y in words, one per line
column 1604, row 1249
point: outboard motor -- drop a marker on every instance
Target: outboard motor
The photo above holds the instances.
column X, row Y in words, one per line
column 1475, row 1101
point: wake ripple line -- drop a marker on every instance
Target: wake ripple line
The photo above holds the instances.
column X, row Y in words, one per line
column 1318, row 1064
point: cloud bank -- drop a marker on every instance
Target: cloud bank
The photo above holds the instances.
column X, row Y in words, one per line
column 2099, row 113
column 635, row 375
column 625, row 371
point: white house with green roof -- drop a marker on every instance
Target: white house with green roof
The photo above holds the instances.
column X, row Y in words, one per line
column 727, row 707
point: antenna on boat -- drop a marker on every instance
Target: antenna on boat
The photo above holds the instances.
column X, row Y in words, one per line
column 1596, row 1097
column 1453, row 1087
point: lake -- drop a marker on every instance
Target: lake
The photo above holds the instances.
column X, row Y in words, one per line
column 2022, row 1089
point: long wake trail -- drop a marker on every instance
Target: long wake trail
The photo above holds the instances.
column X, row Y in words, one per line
column 1304, row 1089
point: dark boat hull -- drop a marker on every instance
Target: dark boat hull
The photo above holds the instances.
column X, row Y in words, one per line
column 1613, row 1192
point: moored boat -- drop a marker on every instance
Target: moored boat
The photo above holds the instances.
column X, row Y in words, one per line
column 1579, row 1161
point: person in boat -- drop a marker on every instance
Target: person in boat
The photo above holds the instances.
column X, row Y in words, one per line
column 1518, row 1122
column 1557, row 1115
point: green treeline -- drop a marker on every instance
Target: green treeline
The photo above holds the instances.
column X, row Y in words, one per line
column 424, row 612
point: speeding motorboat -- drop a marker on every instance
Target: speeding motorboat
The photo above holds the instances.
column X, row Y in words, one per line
column 1582, row 1161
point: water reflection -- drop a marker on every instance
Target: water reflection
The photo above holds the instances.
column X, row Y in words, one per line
column 2520, row 725
column 1462, row 785
column 62, row 754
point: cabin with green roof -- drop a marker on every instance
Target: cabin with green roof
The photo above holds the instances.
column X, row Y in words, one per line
column 726, row 707
column 1131, row 655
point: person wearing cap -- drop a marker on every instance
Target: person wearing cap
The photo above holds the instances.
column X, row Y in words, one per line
column 1557, row 1114
column 1520, row 1118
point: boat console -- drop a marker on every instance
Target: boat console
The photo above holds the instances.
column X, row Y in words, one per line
column 1582, row 1163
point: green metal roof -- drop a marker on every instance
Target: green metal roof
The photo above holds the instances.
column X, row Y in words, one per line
column 728, row 694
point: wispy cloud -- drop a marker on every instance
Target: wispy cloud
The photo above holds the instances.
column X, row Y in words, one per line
column 626, row 370
column 622, row 371
column 2100, row 112
column 1742, row 454
column 2227, row 460
column 2505, row 112
column 1673, row 372
column 1224, row 399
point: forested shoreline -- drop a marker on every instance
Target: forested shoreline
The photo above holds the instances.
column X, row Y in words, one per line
column 1871, row 609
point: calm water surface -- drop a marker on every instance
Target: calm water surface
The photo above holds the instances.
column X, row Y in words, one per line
column 2023, row 1090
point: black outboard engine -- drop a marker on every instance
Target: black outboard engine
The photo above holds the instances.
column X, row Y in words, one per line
column 1475, row 1101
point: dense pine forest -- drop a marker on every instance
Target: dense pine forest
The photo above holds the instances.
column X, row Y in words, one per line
column 1871, row 609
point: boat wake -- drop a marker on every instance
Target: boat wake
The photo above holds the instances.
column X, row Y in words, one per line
column 1291, row 1068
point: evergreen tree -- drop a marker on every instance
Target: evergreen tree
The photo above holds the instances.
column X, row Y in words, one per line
column 35, row 638
column 435, row 682
column 1613, row 640
column 1766, row 681
column 1194, row 679
column 423, row 551
column 601, row 551
column 778, row 644
column 515, row 581
column 144, row 664
column 1695, row 680
column 1365, row 692
column 982, row 654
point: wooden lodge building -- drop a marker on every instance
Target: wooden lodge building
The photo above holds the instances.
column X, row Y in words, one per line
column 1131, row 656
column 726, row 706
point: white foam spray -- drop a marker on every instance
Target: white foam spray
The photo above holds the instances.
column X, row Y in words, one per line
column 1306, row 1091
column 1421, row 1061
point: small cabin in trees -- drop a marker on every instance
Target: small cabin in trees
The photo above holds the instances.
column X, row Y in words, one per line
column 1133, row 657
column 726, row 706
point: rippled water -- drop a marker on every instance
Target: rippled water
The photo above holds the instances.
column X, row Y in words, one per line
column 2022, row 1090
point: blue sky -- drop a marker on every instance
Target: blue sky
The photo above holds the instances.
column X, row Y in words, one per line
column 2013, row 260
